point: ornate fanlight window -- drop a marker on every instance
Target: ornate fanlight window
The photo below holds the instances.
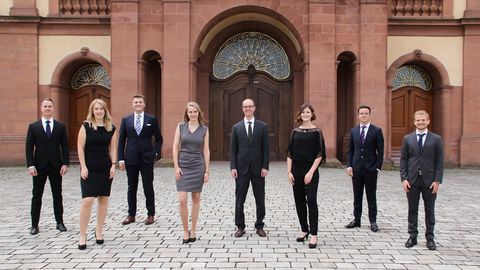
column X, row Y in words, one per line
column 411, row 75
column 251, row 48
column 89, row 75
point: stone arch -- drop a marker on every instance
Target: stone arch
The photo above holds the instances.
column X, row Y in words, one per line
column 347, row 85
column 150, row 78
column 441, row 90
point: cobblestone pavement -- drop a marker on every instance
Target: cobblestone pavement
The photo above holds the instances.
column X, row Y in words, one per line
column 137, row 246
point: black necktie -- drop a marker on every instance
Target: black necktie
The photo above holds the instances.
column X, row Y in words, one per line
column 362, row 135
column 420, row 141
column 48, row 129
column 250, row 132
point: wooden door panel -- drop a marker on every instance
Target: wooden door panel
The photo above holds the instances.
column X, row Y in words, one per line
column 233, row 113
column 79, row 103
column 267, row 100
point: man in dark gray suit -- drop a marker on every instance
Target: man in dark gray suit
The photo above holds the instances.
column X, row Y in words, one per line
column 249, row 158
column 421, row 171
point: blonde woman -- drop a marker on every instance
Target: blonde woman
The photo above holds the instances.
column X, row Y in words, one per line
column 191, row 158
column 97, row 151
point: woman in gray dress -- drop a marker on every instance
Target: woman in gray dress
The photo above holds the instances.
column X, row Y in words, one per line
column 191, row 158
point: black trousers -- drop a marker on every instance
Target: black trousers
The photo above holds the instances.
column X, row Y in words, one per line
column 306, row 195
column 368, row 180
column 39, row 181
column 146, row 169
column 241, row 188
column 413, row 197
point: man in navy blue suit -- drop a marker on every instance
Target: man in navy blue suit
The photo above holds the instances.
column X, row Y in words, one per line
column 137, row 154
column 365, row 159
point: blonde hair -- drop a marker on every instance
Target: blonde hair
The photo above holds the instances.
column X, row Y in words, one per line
column 421, row 112
column 201, row 119
column 107, row 118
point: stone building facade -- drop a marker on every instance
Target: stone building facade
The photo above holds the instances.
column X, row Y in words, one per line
column 396, row 56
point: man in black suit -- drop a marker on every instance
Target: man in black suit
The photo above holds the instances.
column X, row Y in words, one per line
column 421, row 172
column 137, row 154
column 47, row 155
column 365, row 159
column 249, row 158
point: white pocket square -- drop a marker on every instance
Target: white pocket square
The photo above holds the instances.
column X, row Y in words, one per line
column 149, row 125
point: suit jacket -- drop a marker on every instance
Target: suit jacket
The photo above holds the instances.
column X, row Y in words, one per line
column 429, row 161
column 133, row 147
column 42, row 151
column 369, row 156
column 244, row 155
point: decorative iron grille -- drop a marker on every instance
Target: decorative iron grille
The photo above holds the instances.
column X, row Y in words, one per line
column 90, row 75
column 251, row 48
column 411, row 75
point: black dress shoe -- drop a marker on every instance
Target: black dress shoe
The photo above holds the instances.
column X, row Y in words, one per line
column 261, row 233
column 301, row 239
column 61, row 227
column 34, row 230
column 353, row 224
column 374, row 227
column 411, row 242
column 431, row 245
column 239, row 233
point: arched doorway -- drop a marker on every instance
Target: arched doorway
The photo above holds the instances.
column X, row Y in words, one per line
column 250, row 65
column 411, row 92
column 89, row 82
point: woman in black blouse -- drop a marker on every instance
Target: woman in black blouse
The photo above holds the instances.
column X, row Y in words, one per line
column 306, row 151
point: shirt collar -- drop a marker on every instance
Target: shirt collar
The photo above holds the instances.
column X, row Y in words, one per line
column 251, row 120
column 366, row 125
column 44, row 120
column 140, row 114
column 424, row 132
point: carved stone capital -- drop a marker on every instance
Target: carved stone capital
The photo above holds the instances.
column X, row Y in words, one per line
column 84, row 51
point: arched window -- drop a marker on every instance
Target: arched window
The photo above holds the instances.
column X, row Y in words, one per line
column 251, row 48
column 411, row 75
column 90, row 75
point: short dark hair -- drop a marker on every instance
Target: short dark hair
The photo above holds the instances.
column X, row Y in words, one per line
column 364, row 107
column 302, row 107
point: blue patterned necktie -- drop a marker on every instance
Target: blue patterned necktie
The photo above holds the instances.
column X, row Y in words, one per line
column 362, row 135
column 420, row 141
column 48, row 129
column 138, row 124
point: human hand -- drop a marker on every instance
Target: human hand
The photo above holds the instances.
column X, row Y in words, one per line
column 205, row 177
column 178, row 173
column 63, row 170
column 112, row 171
column 32, row 171
column 406, row 185
column 84, row 173
column 264, row 173
column 435, row 187
column 350, row 171
column 121, row 166
column 234, row 173
column 291, row 179
column 308, row 178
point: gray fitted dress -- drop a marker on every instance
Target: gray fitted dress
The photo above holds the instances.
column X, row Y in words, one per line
column 190, row 158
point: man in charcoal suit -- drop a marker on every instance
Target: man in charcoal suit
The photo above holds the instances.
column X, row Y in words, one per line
column 421, row 172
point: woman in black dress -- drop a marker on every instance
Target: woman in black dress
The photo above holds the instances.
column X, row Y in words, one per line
column 97, row 153
column 306, row 151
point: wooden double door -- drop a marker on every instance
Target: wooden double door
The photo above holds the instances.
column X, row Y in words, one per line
column 405, row 102
column 79, row 101
column 273, row 105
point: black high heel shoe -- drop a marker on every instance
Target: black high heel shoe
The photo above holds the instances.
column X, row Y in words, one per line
column 301, row 239
column 312, row 245
column 98, row 241
column 186, row 241
column 191, row 239
column 82, row 247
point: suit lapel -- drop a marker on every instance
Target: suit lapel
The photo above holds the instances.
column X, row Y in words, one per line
column 42, row 130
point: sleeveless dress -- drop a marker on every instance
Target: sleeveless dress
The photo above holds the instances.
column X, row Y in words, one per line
column 190, row 158
column 97, row 159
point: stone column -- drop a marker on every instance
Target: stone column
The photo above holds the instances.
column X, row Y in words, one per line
column 321, row 74
column 23, row 8
column 470, row 140
column 176, row 67
column 124, row 25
